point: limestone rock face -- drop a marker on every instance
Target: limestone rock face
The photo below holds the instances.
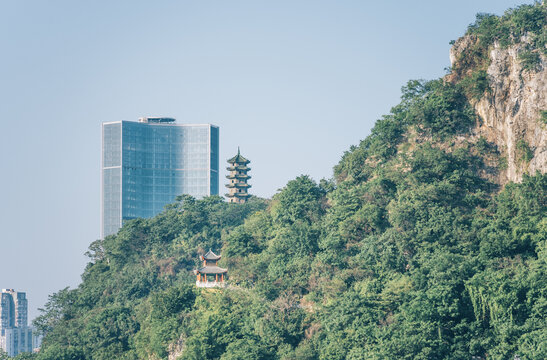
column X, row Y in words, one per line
column 510, row 111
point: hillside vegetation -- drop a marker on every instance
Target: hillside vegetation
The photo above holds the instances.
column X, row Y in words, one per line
column 410, row 252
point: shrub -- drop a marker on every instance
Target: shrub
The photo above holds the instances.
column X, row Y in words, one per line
column 530, row 60
column 524, row 152
column 543, row 116
column 476, row 84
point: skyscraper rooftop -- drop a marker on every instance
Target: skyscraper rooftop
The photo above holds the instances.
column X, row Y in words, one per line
column 156, row 120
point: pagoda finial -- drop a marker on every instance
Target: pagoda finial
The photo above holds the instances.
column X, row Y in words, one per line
column 238, row 150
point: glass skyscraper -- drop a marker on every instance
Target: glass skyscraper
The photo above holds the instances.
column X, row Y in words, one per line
column 15, row 334
column 146, row 164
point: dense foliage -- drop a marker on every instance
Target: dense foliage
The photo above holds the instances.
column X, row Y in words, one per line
column 525, row 20
column 410, row 253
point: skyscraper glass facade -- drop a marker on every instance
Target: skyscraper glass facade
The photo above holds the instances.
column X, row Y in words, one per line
column 147, row 164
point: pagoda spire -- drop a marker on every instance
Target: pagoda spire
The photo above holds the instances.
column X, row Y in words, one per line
column 238, row 178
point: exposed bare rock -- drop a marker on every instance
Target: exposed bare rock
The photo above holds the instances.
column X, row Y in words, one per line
column 176, row 349
column 511, row 111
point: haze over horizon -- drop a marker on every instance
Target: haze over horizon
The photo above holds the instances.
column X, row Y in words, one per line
column 300, row 81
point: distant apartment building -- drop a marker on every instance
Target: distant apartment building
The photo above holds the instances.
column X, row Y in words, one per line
column 15, row 335
column 147, row 164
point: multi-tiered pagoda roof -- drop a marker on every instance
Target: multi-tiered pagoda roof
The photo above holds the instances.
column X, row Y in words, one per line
column 238, row 178
column 238, row 159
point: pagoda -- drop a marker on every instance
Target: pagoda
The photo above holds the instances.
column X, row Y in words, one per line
column 210, row 275
column 238, row 179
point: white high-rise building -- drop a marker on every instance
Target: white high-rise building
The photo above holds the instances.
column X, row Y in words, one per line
column 15, row 334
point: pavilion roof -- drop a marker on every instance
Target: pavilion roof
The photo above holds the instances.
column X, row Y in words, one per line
column 210, row 255
column 211, row 270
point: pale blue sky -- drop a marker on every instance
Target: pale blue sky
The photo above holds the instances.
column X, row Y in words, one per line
column 294, row 83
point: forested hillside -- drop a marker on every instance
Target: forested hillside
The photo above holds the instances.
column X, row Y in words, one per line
column 413, row 250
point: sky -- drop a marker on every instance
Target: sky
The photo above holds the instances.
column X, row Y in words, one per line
column 294, row 83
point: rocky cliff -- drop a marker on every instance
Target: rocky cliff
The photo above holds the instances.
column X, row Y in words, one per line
column 510, row 109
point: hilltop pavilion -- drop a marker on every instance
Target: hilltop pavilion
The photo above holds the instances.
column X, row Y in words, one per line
column 210, row 274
